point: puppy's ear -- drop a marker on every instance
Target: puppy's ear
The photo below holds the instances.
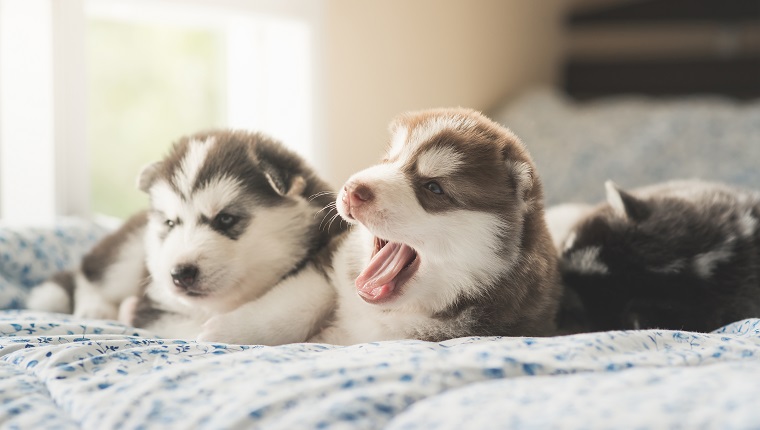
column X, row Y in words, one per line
column 624, row 205
column 148, row 176
column 283, row 185
column 297, row 185
column 523, row 176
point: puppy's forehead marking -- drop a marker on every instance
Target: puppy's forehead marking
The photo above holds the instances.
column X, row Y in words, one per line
column 219, row 193
column 413, row 134
column 439, row 162
column 435, row 126
column 191, row 164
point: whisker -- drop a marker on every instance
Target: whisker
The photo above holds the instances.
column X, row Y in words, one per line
column 324, row 218
column 320, row 194
column 327, row 214
column 332, row 220
column 330, row 206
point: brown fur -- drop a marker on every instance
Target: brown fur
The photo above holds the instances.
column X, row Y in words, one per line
column 107, row 250
column 525, row 301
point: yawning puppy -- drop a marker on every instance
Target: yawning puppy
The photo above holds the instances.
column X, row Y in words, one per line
column 448, row 237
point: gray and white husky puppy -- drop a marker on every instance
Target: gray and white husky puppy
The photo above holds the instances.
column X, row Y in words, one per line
column 676, row 255
column 231, row 219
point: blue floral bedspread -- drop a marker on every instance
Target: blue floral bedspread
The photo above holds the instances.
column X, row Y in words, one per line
column 60, row 372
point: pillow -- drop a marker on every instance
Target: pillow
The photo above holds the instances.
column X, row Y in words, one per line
column 634, row 141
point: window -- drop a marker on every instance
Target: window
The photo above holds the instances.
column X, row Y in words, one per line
column 92, row 90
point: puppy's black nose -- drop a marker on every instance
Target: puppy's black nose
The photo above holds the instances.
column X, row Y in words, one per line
column 185, row 276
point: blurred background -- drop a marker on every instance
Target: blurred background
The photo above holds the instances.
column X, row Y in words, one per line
column 633, row 90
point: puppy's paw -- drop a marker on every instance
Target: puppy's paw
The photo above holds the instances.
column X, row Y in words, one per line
column 96, row 309
column 127, row 310
column 330, row 335
column 223, row 328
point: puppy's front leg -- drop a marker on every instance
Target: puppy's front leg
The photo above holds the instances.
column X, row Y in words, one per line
column 289, row 313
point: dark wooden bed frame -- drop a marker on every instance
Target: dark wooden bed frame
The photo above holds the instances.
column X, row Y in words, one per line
column 729, row 67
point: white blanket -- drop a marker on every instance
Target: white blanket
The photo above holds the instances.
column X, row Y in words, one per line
column 59, row 372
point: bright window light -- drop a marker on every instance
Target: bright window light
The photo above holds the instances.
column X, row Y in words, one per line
column 181, row 69
column 145, row 73
column 26, row 112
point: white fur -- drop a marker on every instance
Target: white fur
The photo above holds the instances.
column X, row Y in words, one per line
column 49, row 297
column 704, row 264
column 405, row 141
column 289, row 313
column 561, row 219
column 127, row 310
column 438, row 162
column 89, row 302
column 194, row 159
column 122, row 278
column 586, row 260
column 674, row 266
column 216, row 195
column 434, row 126
column 397, row 142
column 747, row 224
column 615, row 200
column 232, row 271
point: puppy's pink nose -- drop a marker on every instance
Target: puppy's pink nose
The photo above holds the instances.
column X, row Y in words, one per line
column 358, row 194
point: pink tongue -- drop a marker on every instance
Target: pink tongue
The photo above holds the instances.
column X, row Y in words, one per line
column 378, row 280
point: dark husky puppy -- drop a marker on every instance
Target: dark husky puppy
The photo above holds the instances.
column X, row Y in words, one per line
column 679, row 255
column 232, row 216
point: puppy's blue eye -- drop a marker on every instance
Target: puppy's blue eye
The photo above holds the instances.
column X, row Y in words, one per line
column 225, row 221
column 434, row 187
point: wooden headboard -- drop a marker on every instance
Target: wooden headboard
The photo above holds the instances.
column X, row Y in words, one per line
column 663, row 47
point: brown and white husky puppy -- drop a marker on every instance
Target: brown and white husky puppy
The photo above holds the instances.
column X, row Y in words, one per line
column 232, row 217
column 448, row 237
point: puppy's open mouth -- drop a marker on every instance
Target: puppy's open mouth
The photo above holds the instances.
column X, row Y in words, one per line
column 391, row 266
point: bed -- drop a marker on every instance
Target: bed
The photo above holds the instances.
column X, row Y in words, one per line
column 60, row 372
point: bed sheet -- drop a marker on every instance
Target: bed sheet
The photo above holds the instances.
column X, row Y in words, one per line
column 60, row 372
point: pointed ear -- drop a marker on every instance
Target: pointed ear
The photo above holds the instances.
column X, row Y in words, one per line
column 625, row 205
column 283, row 187
column 297, row 186
column 148, row 176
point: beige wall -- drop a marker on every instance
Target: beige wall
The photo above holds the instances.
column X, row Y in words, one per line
column 387, row 56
